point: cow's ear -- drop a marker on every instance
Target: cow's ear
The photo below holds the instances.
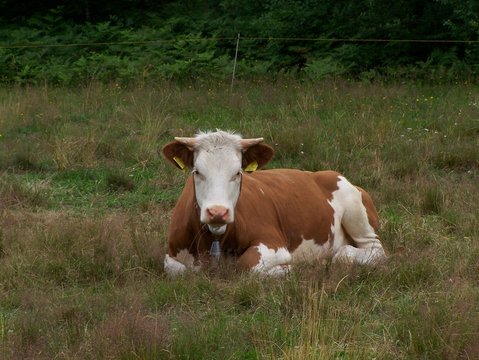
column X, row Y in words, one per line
column 178, row 154
column 259, row 153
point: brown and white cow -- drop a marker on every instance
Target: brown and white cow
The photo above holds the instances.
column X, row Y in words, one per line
column 270, row 219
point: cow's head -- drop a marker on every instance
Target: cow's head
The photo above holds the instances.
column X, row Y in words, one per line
column 217, row 160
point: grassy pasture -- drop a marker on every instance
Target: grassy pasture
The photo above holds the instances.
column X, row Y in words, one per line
column 85, row 201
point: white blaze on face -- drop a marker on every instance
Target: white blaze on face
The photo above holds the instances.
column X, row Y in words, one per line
column 217, row 177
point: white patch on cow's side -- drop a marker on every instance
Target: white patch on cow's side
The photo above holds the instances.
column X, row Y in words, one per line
column 217, row 230
column 261, row 190
column 180, row 263
column 351, row 215
column 272, row 262
column 309, row 251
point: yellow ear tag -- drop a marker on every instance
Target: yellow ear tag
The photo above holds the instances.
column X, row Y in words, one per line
column 179, row 162
column 253, row 166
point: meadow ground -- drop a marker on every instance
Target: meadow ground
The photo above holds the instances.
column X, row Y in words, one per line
column 85, row 201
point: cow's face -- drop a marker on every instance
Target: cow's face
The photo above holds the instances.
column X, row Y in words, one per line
column 217, row 161
column 217, row 176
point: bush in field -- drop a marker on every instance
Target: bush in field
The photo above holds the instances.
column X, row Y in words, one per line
column 183, row 40
column 123, row 54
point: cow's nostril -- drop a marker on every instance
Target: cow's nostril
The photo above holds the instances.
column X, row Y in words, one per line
column 225, row 214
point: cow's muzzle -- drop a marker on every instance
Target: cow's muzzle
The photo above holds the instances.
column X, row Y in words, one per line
column 218, row 215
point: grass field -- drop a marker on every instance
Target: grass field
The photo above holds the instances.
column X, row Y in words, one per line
column 85, row 201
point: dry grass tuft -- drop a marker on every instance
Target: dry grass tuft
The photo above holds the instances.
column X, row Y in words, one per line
column 18, row 195
column 127, row 333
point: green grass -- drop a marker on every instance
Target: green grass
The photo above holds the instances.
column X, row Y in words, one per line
column 86, row 199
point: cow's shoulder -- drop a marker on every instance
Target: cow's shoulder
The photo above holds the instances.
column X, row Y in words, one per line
column 325, row 181
column 282, row 183
column 279, row 177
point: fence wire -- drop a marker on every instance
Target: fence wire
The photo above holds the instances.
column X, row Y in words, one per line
column 243, row 38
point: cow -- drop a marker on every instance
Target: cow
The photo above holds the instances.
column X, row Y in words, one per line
column 268, row 219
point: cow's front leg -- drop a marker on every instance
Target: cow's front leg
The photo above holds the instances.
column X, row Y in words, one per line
column 179, row 263
column 262, row 259
column 364, row 256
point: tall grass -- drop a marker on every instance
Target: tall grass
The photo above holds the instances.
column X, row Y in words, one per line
column 85, row 202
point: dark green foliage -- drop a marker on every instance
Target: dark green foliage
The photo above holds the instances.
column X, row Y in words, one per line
column 119, row 182
column 24, row 161
column 433, row 201
column 133, row 40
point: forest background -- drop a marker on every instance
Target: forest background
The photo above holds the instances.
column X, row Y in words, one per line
column 67, row 43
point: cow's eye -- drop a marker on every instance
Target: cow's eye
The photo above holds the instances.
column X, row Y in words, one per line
column 237, row 176
column 198, row 175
